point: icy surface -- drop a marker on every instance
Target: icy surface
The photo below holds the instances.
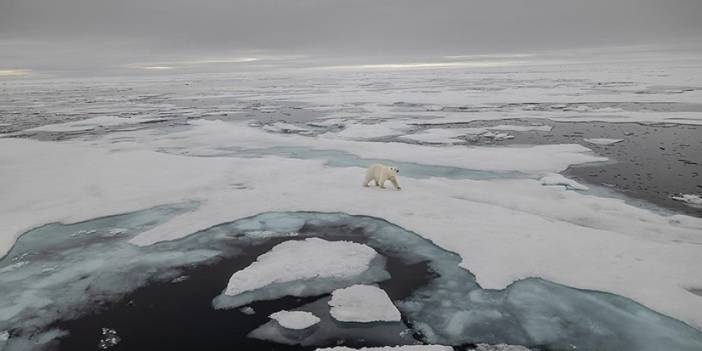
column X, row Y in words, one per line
column 603, row 141
column 520, row 128
column 646, row 256
column 291, row 267
column 443, row 136
column 295, row 320
column 362, row 303
column 450, row 309
column 236, row 170
column 558, row 179
column 392, row 348
column 499, row 347
column 690, row 199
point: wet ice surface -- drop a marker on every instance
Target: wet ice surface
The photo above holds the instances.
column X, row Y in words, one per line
column 443, row 305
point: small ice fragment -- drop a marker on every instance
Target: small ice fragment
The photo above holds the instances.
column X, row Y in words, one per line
column 296, row 320
column 182, row 278
column 690, row 199
column 362, row 303
column 557, row 179
column 109, row 339
column 4, row 335
column 516, row 128
column 248, row 310
column 393, row 348
column 116, row 231
column 499, row 347
column 602, row 141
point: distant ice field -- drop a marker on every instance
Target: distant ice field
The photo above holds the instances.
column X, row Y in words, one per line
column 498, row 170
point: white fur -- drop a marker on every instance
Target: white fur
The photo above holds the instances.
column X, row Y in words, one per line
column 380, row 174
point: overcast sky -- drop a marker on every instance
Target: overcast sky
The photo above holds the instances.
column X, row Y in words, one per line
column 43, row 32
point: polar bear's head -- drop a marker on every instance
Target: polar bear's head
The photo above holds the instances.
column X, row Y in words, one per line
column 394, row 170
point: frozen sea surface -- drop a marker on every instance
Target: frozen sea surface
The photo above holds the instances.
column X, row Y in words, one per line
column 448, row 307
column 489, row 160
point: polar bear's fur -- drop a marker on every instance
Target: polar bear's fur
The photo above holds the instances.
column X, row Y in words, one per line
column 380, row 174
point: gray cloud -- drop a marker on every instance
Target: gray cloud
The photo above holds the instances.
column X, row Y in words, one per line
column 88, row 29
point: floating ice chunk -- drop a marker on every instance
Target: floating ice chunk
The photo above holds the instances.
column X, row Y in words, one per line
column 109, row 339
column 371, row 131
column 499, row 347
column 497, row 136
column 248, row 310
column 557, row 179
column 4, row 336
column 690, row 199
column 296, row 320
column 442, row 135
column 393, row 348
column 307, row 259
column 516, row 128
column 89, row 124
column 329, row 330
column 602, row 141
column 362, row 303
column 282, row 127
column 303, row 268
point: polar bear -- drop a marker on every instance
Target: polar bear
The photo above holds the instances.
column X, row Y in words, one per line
column 381, row 173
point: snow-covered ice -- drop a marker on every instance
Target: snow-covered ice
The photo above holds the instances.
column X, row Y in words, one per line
column 290, row 268
column 602, row 141
column 558, row 179
column 690, row 199
column 362, row 303
column 295, row 320
column 392, row 348
column 234, row 170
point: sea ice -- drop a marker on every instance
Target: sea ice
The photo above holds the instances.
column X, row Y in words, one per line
column 519, row 128
column 602, row 141
column 690, row 199
column 558, row 179
column 442, row 135
column 295, row 320
column 362, row 303
column 302, row 268
column 392, row 348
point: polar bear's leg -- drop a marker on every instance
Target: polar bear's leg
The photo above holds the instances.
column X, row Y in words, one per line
column 377, row 183
column 382, row 182
column 394, row 182
column 367, row 180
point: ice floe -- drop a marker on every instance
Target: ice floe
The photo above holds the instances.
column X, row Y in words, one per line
column 362, row 303
column 443, row 135
column 290, row 267
column 521, row 128
column 465, row 216
column 602, row 141
column 690, row 199
column 558, row 179
column 295, row 320
column 392, row 348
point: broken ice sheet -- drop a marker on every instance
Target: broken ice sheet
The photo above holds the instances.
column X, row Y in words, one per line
column 302, row 268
